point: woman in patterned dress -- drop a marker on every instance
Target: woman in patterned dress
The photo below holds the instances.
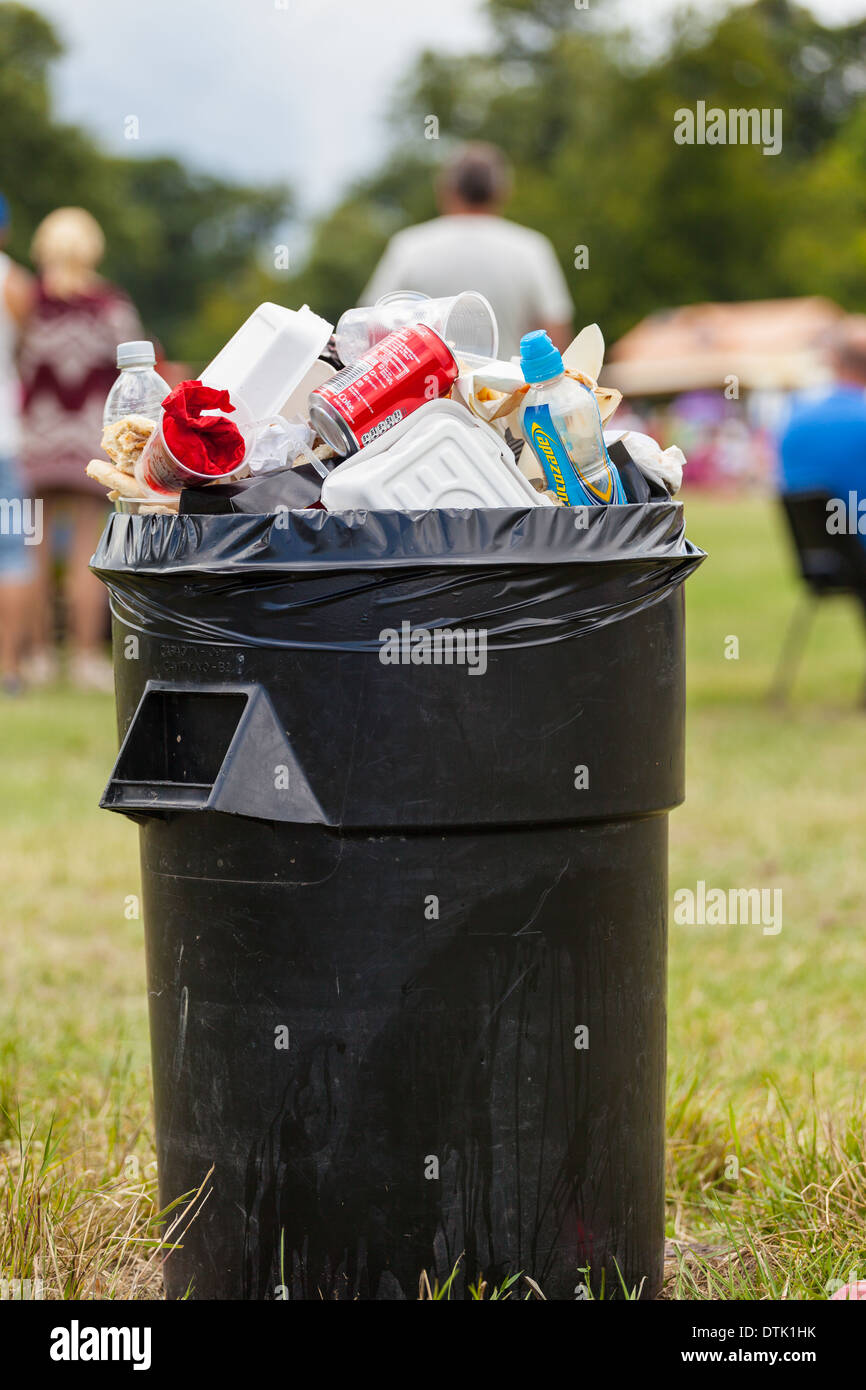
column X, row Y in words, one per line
column 67, row 367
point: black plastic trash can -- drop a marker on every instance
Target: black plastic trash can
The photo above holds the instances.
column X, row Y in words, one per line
column 402, row 783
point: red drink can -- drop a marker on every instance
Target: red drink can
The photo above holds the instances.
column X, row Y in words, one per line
column 404, row 371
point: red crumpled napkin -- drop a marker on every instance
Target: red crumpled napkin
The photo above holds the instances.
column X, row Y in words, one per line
column 203, row 443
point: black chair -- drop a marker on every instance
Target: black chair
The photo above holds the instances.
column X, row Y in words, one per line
column 829, row 563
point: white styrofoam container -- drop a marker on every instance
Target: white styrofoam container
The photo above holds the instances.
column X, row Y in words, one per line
column 439, row 456
column 268, row 357
column 315, row 376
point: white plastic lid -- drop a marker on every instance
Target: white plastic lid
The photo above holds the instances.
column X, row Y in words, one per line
column 136, row 354
column 439, row 456
column 268, row 357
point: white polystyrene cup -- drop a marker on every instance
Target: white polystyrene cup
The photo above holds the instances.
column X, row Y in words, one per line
column 159, row 470
column 465, row 321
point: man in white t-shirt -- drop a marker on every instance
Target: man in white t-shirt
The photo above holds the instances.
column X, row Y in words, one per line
column 471, row 247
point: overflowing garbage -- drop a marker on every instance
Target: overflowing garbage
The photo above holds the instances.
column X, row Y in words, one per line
column 418, row 413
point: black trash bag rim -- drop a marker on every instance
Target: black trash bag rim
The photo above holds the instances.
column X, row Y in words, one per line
column 315, row 539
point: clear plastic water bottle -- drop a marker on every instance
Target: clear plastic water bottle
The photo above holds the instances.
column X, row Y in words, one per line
column 560, row 422
column 139, row 390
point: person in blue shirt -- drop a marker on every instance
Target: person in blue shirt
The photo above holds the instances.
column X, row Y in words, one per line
column 823, row 447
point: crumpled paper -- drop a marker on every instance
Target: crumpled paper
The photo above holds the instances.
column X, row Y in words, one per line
column 495, row 390
column 583, row 359
column 491, row 392
column 278, row 444
column 662, row 466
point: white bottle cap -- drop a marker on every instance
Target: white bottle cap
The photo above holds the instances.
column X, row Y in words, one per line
column 137, row 354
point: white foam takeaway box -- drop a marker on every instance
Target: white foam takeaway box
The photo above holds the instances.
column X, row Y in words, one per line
column 439, row 456
column 268, row 358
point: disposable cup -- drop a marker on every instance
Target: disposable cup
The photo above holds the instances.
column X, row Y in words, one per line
column 159, row 470
column 360, row 329
column 466, row 322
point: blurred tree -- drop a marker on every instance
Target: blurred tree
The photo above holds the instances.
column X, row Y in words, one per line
column 588, row 122
column 187, row 237
column 824, row 244
column 174, row 236
column 587, row 118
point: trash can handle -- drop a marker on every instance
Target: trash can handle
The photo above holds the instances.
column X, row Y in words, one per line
column 209, row 748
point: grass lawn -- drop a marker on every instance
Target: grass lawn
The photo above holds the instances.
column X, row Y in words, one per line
column 767, row 1173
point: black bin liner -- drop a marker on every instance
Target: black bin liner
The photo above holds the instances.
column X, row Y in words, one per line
column 405, row 918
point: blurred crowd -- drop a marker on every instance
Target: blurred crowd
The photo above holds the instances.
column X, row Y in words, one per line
column 59, row 330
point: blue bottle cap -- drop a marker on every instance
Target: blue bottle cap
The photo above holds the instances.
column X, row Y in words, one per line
column 539, row 359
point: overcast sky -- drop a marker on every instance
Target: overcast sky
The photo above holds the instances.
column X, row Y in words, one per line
column 233, row 86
